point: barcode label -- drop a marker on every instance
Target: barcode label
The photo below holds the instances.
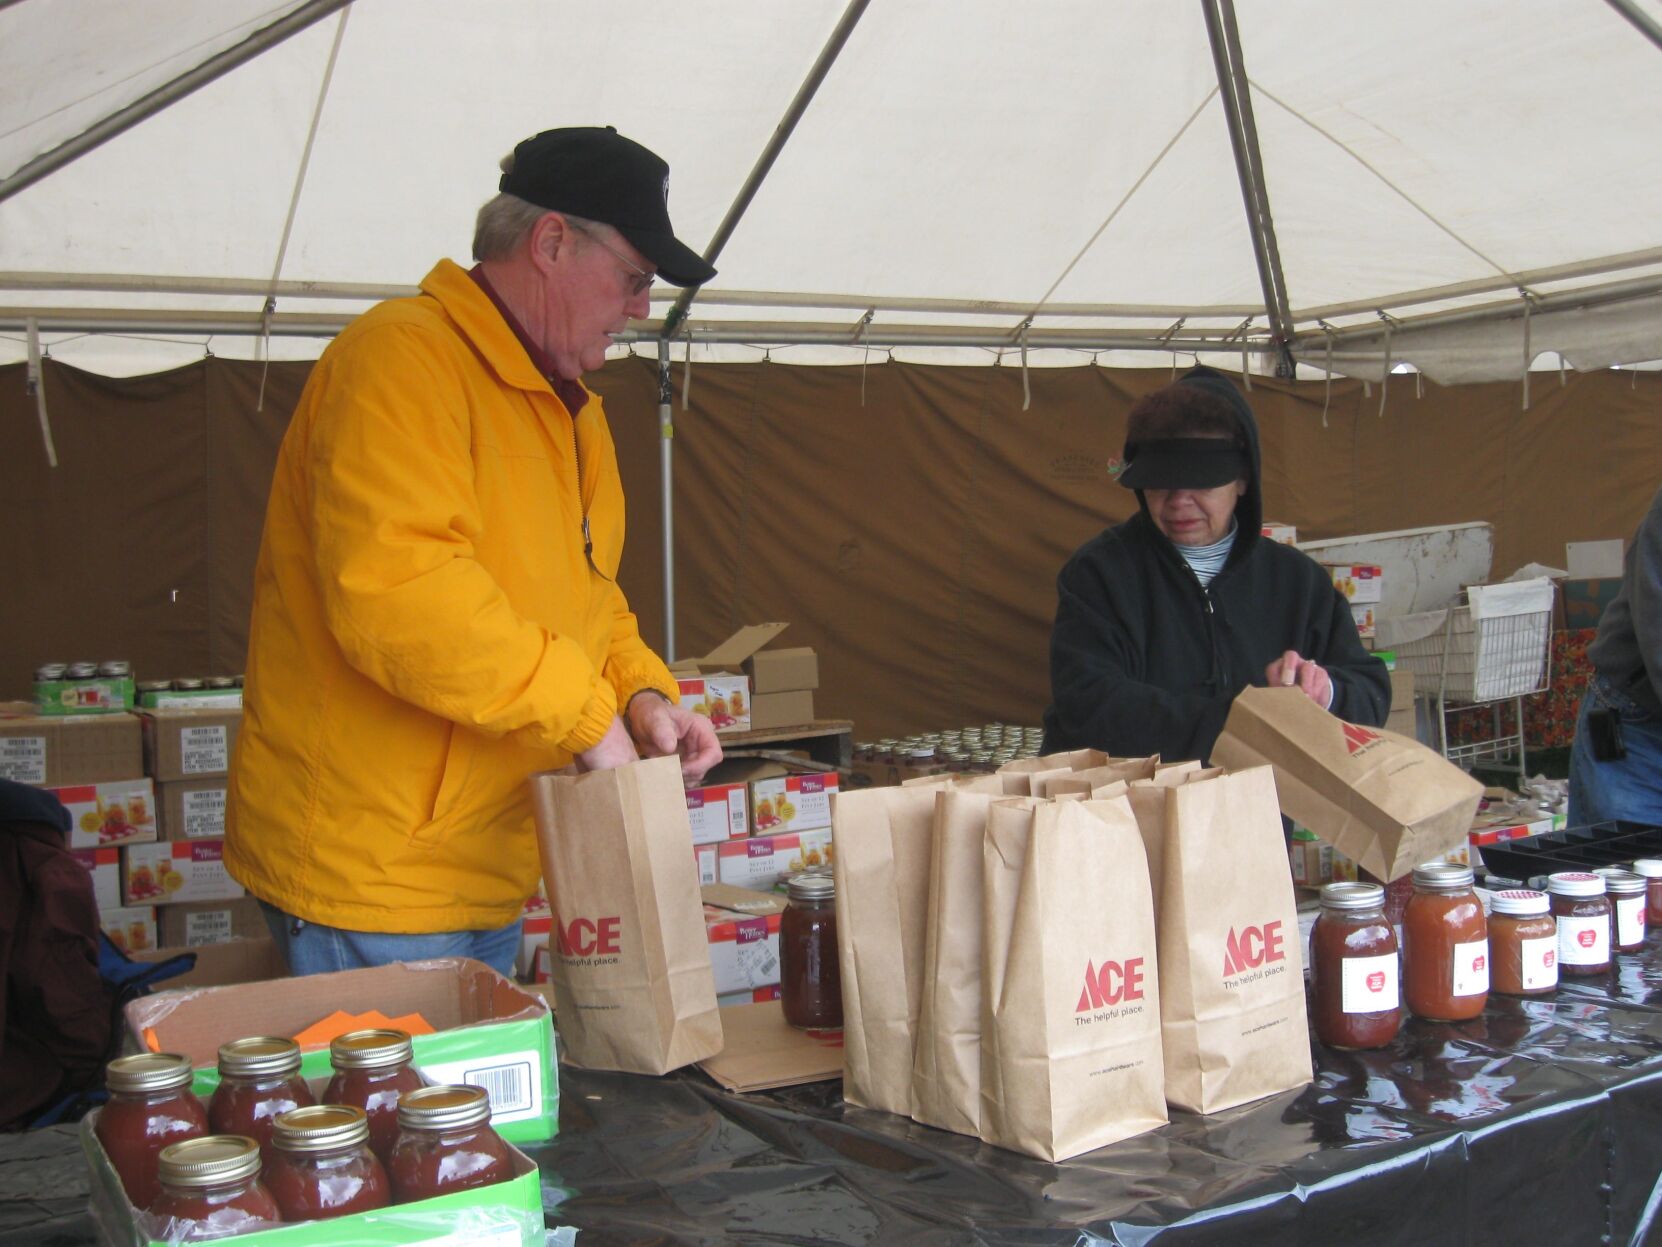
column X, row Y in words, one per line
column 204, row 813
column 23, row 759
column 203, row 750
column 511, row 1078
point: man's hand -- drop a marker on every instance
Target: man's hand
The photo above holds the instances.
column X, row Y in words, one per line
column 613, row 749
column 661, row 729
column 1290, row 670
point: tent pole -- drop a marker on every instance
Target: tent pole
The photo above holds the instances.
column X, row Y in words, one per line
column 1236, row 93
column 1642, row 21
column 666, row 493
column 776, row 144
column 124, row 119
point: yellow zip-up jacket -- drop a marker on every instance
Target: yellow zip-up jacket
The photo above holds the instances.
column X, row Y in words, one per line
column 427, row 630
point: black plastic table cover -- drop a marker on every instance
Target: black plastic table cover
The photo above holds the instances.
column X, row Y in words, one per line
column 1539, row 1122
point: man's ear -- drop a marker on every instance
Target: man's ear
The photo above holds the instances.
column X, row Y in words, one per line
column 549, row 236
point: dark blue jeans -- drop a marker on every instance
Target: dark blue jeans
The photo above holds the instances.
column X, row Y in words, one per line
column 314, row 949
column 1629, row 789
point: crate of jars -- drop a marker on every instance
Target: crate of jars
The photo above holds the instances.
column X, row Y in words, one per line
column 84, row 687
column 484, row 1029
column 216, row 692
column 375, row 1154
column 964, row 750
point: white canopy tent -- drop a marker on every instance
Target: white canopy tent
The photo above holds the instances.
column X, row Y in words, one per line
column 1463, row 188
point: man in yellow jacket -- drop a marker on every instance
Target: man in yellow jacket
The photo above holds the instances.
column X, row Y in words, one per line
column 436, row 609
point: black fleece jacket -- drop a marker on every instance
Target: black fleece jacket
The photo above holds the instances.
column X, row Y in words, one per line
column 1145, row 660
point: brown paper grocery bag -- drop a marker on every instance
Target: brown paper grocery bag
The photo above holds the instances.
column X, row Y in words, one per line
column 1071, row 1000
column 946, row 1067
column 633, row 987
column 880, row 839
column 1071, row 760
column 1231, row 964
column 1148, row 798
column 1386, row 802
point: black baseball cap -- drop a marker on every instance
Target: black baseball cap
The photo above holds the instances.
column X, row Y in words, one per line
column 1185, row 463
column 594, row 172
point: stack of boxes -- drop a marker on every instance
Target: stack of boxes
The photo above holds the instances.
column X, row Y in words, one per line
column 742, row 687
column 1364, row 587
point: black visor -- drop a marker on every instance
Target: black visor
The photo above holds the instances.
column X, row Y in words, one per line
column 1184, row 463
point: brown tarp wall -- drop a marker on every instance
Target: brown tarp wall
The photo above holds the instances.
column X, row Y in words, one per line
column 907, row 520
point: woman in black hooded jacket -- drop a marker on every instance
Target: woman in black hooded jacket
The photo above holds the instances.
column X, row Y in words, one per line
column 1162, row 620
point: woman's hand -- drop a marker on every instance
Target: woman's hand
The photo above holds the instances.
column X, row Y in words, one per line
column 1291, row 670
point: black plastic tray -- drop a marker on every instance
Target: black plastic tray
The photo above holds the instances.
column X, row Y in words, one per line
column 1574, row 848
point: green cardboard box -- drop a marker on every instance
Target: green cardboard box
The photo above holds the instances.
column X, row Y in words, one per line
column 488, row 1031
column 508, row 1214
column 103, row 695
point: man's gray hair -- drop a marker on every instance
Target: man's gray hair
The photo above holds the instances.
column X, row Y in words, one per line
column 504, row 222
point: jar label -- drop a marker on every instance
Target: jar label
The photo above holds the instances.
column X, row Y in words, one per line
column 1539, row 962
column 1583, row 941
column 1471, row 968
column 1630, row 920
column 1368, row 984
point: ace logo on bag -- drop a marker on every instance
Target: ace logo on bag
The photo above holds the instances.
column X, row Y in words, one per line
column 633, row 985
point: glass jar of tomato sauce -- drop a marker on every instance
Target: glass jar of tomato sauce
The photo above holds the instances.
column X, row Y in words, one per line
column 258, row 1079
column 210, row 1188
column 319, row 1164
column 151, row 1105
column 446, row 1143
column 372, row 1071
column 810, row 978
column 1446, row 945
column 1584, row 922
column 1523, row 941
column 1353, row 968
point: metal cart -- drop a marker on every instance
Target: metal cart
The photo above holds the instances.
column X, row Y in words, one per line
column 1493, row 648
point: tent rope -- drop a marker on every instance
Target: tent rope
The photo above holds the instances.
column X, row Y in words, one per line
column 686, row 371
column 1528, row 352
column 35, row 384
column 1327, row 389
column 1385, row 385
column 860, row 335
column 294, row 199
column 1026, row 389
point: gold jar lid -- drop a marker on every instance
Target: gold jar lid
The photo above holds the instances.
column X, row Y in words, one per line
column 375, row 1048
column 320, row 1128
column 261, row 1056
column 148, row 1071
column 444, row 1108
column 215, row 1160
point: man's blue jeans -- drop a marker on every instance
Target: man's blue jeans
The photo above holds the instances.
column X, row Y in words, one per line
column 1630, row 788
column 313, row 949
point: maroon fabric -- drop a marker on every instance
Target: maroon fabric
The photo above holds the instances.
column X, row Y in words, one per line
column 55, row 1011
column 570, row 393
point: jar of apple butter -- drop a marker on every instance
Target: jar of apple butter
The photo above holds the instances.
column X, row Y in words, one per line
column 810, row 977
column 319, row 1164
column 1523, row 940
column 1353, row 968
column 372, row 1071
column 258, row 1079
column 151, row 1105
column 1626, row 891
column 210, row 1188
column 1584, row 922
column 445, row 1143
column 1445, row 945
column 1650, row 869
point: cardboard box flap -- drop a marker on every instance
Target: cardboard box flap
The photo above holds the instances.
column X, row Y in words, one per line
column 731, row 653
column 746, row 901
column 763, row 1050
column 746, row 766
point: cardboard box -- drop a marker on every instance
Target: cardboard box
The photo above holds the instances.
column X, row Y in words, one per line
column 1402, row 719
column 1314, row 864
column 1594, row 560
column 744, row 948
column 115, row 812
column 781, row 709
column 104, row 865
column 192, row 809
column 488, row 1031
column 723, row 699
column 178, row 699
column 704, row 855
column 172, row 872
column 1364, row 617
column 507, row 1214
column 1286, row 534
column 793, row 802
column 759, row 862
column 762, row 1050
column 132, row 929
column 536, row 925
column 1359, row 582
column 52, row 751
column 754, row 996
column 718, row 812
column 101, row 695
column 188, row 744
column 1585, row 600
column 212, row 922
column 783, row 670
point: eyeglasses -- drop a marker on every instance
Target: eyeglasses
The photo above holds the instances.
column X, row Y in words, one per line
column 643, row 279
